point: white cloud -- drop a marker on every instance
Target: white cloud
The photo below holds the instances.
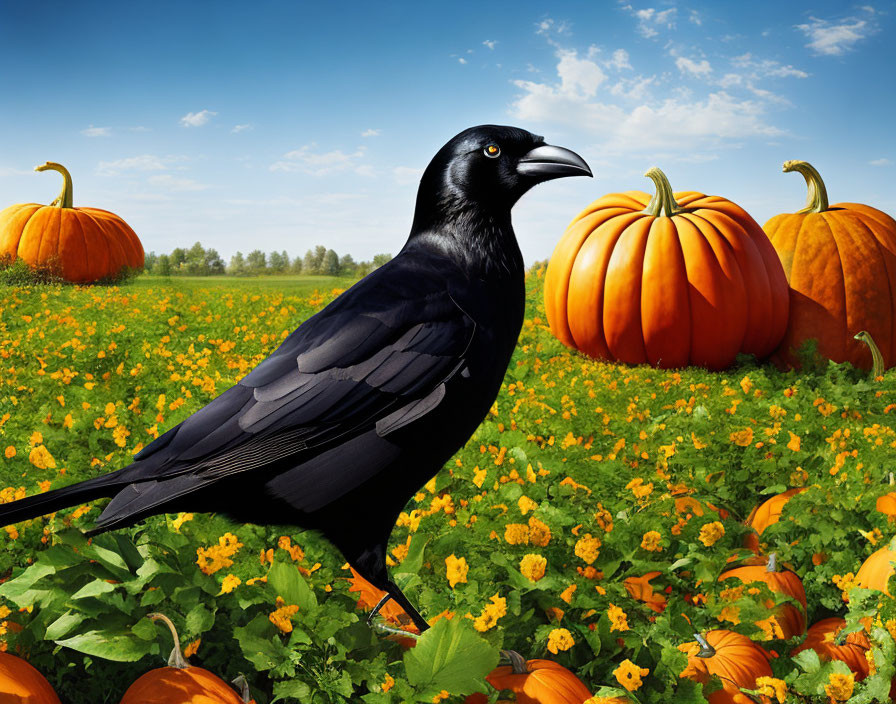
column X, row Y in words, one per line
column 197, row 119
column 305, row 160
column 620, row 60
column 371, row 133
column 651, row 20
column 767, row 67
column 700, row 70
column 144, row 162
column 462, row 60
column 881, row 162
column 834, row 38
column 694, row 18
column 173, row 183
column 490, row 43
column 549, row 27
column 240, row 128
column 97, row 131
column 578, row 76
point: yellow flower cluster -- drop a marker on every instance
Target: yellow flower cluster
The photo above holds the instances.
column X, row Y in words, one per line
column 536, row 532
column 532, row 567
column 281, row 617
column 840, row 687
column 651, row 541
column 629, row 675
column 490, row 614
column 772, row 687
column 618, row 618
column 588, row 548
column 217, row 557
column 711, row 533
column 560, row 639
column 230, row 583
column 456, row 570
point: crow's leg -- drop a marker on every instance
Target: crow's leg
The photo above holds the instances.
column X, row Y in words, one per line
column 395, row 593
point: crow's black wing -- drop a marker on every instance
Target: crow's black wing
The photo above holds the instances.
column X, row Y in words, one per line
column 376, row 358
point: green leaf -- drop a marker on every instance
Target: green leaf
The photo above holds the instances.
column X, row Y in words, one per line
column 287, row 582
column 63, row 625
column 414, row 560
column 95, row 588
column 291, row 689
column 119, row 647
column 450, row 656
column 199, row 620
column 145, row 629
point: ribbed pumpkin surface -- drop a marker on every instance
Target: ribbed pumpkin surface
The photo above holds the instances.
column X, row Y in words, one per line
column 171, row 685
column 21, row 683
column 737, row 661
column 821, row 638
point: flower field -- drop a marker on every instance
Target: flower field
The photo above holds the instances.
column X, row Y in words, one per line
column 588, row 521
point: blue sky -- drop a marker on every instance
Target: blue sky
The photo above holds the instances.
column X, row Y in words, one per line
column 282, row 125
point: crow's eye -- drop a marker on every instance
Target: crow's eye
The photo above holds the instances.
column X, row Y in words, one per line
column 492, row 151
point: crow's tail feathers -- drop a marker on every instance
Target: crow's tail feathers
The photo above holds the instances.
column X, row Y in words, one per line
column 50, row 501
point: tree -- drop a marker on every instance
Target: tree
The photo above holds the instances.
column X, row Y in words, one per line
column 214, row 265
column 347, row 265
column 237, row 266
column 256, row 262
column 330, row 264
column 277, row 262
column 178, row 259
column 380, row 259
column 297, row 266
column 162, row 265
column 195, row 260
column 149, row 261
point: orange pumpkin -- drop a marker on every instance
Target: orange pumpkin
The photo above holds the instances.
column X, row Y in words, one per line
column 734, row 659
column 822, row 638
column 179, row 683
column 535, row 682
column 670, row 280
column 81, row 244
column 21, row 683
column 766, row 514
column 876, row 571
column 840, row 262
column 791, row 621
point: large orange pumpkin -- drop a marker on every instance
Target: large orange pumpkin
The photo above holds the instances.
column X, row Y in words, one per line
column 80, row 244
column 535, row 682
column 766, row 514
column 21, row 683
column 790, row 619
column 670, row 280
column 876, row 571
column 840, row 262
column 179, row 683
column 822, row 638
column 734, row 659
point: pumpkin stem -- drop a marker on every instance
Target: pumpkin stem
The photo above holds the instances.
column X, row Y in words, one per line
column 817, row 200
column 663, row 202
column 876, row 357
column 772, row 565
column 241, row 684
column 706, row 650
column 64, row 199
column 176, row 659
column 517, row 661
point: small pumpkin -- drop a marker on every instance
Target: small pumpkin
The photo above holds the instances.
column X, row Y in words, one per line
column 733, row 658
column 535, row 682
column 840, row 262
column 21, row 683
column 180, row 683
column 822, row 637
column 670, row 280
column 790, row 619
column 766, row 514
column 81, row 244
column 876, row 571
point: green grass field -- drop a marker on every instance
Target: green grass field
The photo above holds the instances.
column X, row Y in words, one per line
column 584, row 475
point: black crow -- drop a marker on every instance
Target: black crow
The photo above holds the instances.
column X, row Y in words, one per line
column 367, row 399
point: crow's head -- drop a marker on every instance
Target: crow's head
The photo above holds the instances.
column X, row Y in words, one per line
column 493, row 165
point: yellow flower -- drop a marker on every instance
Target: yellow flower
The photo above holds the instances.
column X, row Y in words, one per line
column 651, row 541
column 560, row 639
column 742, row 437
column 456, row 570
column 295, row 552
column 772, row 687
column 36, row 438
column 746, row 384
column 388, row 683
column 230, row 583
column 567, row 593
column 839, row 687
column 516, row 534
column 794, row 443
column 618, row 618
column 41, row 458
column 217, row 557
column 191, row 649
column 532, row 567
column 490, row 614
column 110, row 409
column 639, row 488
column 281, row 617
column 587, row 548
column 10, row 452
column 711, row 533
column 629, row 675
column 526, row 504
column 539, row 532
column 180, row 520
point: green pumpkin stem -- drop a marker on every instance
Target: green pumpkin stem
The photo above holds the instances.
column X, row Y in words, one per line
column 663, row 202
column 64, row 199
column 706, row 650
column 817, row 200
column 176, row 659
column 877, row 358
column 517, row 661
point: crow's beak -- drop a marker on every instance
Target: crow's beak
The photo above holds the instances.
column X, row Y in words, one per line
column 547, row 162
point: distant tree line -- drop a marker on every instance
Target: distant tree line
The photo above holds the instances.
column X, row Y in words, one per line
column 199, row 261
